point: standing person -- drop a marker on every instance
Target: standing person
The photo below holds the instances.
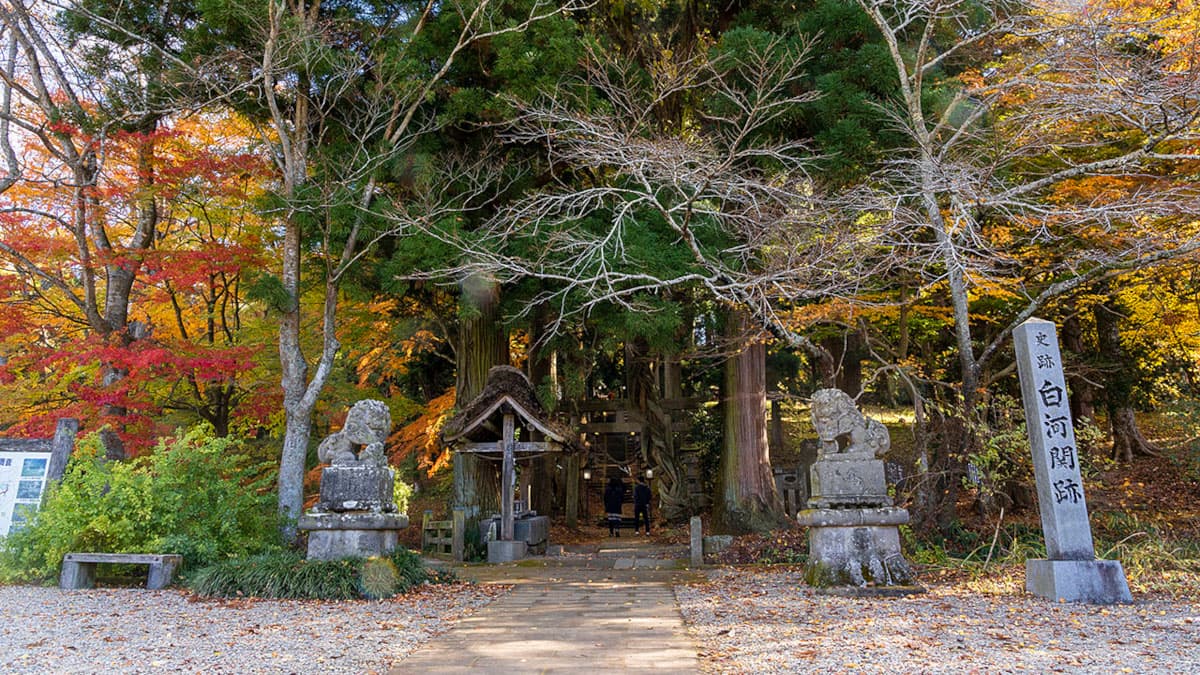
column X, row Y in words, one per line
column 614, row 498
column 641, row 505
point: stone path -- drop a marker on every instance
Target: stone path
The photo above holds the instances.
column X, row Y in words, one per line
column 611, row 609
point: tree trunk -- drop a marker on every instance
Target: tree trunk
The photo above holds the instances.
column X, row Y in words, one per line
column 1128, row 440
column 847, row 353
column 482, row 343
column 749, row 500
column 292, row 460
column 775, row 441
column 120, row 275
column 1083, row 392
column 659, row 451
column 294, row 381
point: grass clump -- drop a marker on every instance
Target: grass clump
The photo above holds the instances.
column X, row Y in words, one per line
column 288, row 575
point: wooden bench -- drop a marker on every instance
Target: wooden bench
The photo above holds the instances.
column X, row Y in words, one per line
column 79, row 569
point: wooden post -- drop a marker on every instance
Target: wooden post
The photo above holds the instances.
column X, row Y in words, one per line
column 458, row 535
column 506, row 480
column 572, row 490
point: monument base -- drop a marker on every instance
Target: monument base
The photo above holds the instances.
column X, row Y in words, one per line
column 1099, row 582
column 351, row 535
column 506, row 551
column 855, row 547
column 847, row 480
column 356, row 487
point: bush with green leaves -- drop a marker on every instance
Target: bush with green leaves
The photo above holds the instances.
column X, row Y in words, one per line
column 194, row 494
column 286, row 574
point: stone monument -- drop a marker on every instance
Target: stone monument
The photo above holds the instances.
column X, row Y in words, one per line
column 1071, row 572
column 853, row 536
column 356, row 515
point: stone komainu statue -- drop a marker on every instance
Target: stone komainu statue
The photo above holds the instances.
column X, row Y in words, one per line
column 836, row 418
column 367, row 426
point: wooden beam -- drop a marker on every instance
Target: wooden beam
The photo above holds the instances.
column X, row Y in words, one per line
column 521, row 447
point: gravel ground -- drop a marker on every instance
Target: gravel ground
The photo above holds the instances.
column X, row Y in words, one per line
column 767, row 621
column 46, row 630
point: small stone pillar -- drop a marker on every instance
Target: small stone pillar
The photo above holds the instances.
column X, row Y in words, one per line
column 1071, row 572
column 697, row 542
column 853, row 536
column 356, row 515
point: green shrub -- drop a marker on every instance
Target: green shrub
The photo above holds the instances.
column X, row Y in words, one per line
column 194, row 494
column 401, row 493
column 286, row 574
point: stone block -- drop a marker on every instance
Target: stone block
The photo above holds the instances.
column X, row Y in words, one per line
column 356, row 488
column 343, row 535
column 856, row 556
column 1100, row 582
column 162, row 573
column 75, row 576
column 334, row 544
column 715, row 543
column 506, row 551
column 886, row 515
column 534, row 531
column 697, row 542
column 852, row 481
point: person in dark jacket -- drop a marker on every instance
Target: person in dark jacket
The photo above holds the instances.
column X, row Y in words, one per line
column 614, row 498
column 641, row 505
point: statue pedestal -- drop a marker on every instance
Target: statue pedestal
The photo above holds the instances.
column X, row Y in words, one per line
column 351, row 534
column 855, row 547
column 355, row 516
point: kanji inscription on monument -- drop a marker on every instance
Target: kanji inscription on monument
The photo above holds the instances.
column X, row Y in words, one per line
column 1071, row 571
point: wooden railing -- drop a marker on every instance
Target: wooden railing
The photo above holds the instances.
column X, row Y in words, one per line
column 443, row 538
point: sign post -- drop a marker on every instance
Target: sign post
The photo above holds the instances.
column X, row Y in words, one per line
column 1071, row 571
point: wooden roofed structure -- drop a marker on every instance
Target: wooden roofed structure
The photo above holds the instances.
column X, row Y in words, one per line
column 506, row 421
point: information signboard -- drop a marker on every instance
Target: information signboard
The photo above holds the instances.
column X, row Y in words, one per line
column 22, row 481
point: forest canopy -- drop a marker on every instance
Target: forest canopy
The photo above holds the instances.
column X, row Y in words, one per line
column 250, row 213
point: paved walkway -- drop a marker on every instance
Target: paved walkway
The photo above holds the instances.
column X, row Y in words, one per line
column 605, row 610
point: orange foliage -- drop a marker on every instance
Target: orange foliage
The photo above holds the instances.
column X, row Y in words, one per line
column 421, row 438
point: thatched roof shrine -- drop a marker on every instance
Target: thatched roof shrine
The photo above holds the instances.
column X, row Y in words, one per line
column 478, row 426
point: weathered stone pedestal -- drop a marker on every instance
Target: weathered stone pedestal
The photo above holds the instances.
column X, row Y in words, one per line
column 356, row 515
column 848, row 481
column 356, row 488
column 1100, row 582
column 351, row 534
column 855, row 547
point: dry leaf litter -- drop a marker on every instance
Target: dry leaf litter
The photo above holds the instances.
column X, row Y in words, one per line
column 752, row 621
column 118, row 630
